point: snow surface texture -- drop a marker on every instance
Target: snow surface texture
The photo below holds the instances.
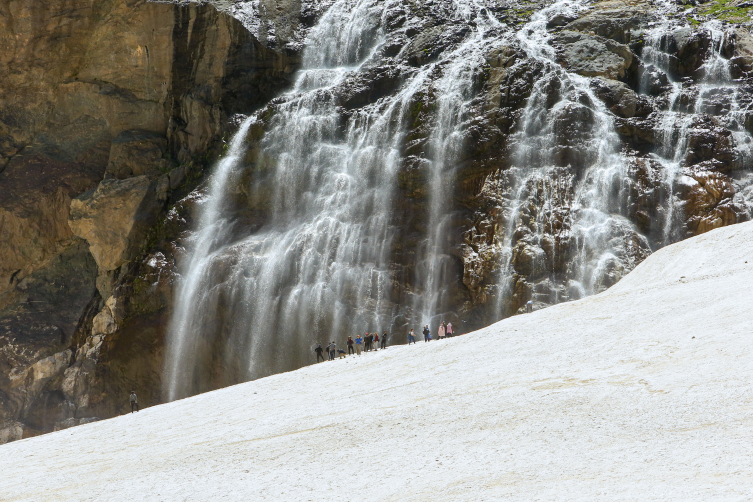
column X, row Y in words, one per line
column 610, row 397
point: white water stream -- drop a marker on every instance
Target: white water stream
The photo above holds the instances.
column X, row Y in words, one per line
column 678, row 120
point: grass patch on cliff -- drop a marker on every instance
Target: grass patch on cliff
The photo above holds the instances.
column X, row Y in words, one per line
column 726, row 10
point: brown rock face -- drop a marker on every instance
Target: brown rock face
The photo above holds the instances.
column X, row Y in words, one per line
column 88, row 88
column 710, row 202
column 114, row 219
column 115, row 106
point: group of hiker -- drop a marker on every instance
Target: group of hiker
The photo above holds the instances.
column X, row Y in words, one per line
column 372, row 341
column 445, row 330
column 364, row 343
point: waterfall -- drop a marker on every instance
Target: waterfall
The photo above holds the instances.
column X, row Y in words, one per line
column 454, row 91
column 308, row 234
column 687, row 103
column 565, row 225
column 255, row 298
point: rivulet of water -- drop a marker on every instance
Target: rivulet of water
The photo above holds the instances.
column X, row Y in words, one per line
column 454, row 94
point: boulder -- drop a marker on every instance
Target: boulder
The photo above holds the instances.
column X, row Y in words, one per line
column 592, row 55
column 618, row 20
column 742, row 60
column 618, row 97
column 114, row 218
column 690, row 49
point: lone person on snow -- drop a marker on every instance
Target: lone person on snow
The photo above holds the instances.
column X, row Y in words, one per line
column 319, row 351
column 411, row 337
column 134, row 401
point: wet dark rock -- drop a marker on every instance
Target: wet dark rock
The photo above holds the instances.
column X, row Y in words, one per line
column 639, row 133
column 690, row 48
column 426, row 45
column 652, row 80
column 708, row 141
column 618, row 97
column 593, row 56
column 369, row 86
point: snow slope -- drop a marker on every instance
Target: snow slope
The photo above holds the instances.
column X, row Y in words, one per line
column 642, row 392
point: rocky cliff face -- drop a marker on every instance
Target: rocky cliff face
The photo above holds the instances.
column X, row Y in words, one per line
column 111, row 113
column 108, row 114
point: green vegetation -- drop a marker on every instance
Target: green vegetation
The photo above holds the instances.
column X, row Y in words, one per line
column 725, row 10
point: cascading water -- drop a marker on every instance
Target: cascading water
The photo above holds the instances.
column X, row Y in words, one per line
column 309, row 230
column 319, row 266
column 564, row 226
column 686, row 106
column 454, row 95
column 272, row 291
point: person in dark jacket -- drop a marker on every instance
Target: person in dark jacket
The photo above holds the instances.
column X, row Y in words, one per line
column 384, row 340
column 350, row 345
column 319, row 351
column 134, row 400
column 427, row 333
column 369, row 342
column 332, row 350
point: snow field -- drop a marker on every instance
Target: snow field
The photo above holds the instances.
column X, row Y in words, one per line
column 607, row 398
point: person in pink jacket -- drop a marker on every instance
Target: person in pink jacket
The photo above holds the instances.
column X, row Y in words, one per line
column 441, row 331
column 449, row 329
